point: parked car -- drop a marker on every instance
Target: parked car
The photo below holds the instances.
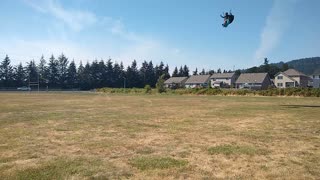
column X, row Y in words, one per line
column 24, row 88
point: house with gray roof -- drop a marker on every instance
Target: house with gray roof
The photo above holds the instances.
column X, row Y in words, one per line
column 291, row 78
column 175, row 82
column 315, row 80
column 226, row 80
column 198, row 81
column 256, row 81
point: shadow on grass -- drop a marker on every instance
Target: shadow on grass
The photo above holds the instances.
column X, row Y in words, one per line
column 301, row 106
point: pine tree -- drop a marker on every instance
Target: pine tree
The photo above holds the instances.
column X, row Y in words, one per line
column 80, row 75
column 181, row 72
column 160, row 84
column 133, row 76
column 175, row 72
column 32, row 72
column 117, row 74
column 63, row 70
column 87, row 78
column 219, row 70
column 43, row 71
column 53, row 75
column 6, row 72
column 185, row 71
column 19, row 76
column 166, row 72
column 195, row 72
column 203, row 72
column 95, row 75
column 72, row 79
column 109, row 73
column 151, row 75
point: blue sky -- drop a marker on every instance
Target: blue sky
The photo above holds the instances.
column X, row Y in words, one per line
column 176, row 32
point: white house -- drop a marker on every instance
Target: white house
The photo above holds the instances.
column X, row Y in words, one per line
column 198, row 81
column 223, row 80
column 291, row 78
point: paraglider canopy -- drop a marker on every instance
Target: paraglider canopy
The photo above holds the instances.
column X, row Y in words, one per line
column 228, row 19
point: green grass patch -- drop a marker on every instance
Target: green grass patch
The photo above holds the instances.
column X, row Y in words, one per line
column 60, row 168
column 149, row 163
column 229, row 149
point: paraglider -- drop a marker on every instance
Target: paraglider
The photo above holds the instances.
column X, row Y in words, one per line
column 228, row 19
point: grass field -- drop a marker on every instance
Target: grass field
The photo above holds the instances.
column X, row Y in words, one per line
column 100, row 136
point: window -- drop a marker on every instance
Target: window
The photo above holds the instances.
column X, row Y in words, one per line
column 279, row 84
column 280, row 77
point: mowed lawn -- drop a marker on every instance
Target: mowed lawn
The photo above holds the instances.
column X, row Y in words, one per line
column 101, row 136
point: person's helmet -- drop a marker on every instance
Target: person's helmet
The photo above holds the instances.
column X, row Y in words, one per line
column 227, row 14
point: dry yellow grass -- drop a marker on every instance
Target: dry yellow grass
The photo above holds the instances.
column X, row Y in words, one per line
column 87, row 135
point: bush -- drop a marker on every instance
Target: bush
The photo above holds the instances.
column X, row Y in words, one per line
column 147, row 89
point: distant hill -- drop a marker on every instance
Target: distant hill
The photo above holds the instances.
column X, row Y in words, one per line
column 306, row 65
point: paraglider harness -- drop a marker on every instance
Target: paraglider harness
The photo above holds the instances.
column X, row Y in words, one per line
column 229, row 19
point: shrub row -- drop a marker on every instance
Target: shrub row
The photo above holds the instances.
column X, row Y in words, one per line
column 305, row 92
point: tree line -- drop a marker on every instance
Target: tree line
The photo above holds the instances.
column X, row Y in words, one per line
column 60, row 73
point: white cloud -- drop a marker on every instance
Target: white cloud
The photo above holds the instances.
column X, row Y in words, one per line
column 122, row 45
column 277, row 23
column 75, row 19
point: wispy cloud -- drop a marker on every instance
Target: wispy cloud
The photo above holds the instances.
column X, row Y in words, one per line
column 277, row 23
column 75, row 19
column 126, row 43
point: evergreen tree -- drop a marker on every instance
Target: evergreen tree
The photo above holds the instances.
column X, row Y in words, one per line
column 219, row 70
column 211, row 72
column 195, row 72
column 43, row 71
column 284, row 67
column 185, row 71
column 160, row 84
column 181, row 72
column 143, row 72
column 175, row 72
column 151, row 75
column 32, row 72
column 53, row 75
column 72, row 79
column 95, row 75
column 80, row 75
column 117, row 74
column 63, row 70
column 86, row 84
column 203, row 72
column 159, row 70
column 6, row 72
column 166, row 72
column 19, row 76
column 133, row 76
column 110, row 74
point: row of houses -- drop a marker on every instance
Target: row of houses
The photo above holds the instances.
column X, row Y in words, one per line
column 255, row 81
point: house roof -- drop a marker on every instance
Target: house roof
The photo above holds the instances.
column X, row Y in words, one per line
column 293, row 72
column 198, row 79
column 252, row 77
column 175, row 80
column 222, row 75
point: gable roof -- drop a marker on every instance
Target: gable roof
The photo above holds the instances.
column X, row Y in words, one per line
column 222, row 75
column 293, row 72
column 252, row 77
column 285, row 75
column 175, row 80
column 198, row 79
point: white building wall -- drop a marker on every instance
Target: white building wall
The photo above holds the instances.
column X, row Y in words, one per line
column 283, row 81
